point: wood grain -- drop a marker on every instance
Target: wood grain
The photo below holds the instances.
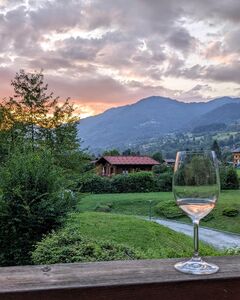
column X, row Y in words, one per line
column 143, row 279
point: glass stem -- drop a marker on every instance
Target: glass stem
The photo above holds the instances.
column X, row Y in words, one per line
column 196, row 238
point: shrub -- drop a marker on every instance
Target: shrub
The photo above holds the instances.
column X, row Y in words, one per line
column 121, row 183
column 95, row 184
column 208, row 217
column 233, row 251
column 134, row 182
column 162, row 168
column 67, row 246
column 229, row 178
column 102, row 208
column 33, row 202
column 230, row 212
column 163, row 182
column 128, row 183
column 110, row 204
column 168, row 209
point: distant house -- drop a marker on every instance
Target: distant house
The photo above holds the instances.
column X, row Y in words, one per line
column 236, row 157
column 112, row 165
column 169, row 162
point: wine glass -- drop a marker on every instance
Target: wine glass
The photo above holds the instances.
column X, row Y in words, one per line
column 196, row 188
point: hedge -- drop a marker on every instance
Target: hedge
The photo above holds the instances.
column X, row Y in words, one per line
column 146, row 181
column 127, row 183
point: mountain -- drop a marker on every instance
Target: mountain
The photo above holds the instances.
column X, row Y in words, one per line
column 226, row 113
column 148, row 118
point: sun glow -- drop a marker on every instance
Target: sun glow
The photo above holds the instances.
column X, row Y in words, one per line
column 83, row 111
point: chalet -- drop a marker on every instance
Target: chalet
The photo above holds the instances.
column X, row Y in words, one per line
column 169, row 162
column 236, row 157
column 112, row 165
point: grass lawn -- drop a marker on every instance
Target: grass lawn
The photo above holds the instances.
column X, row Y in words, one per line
column 137, row 204
column 238, row 172
column 150, row 239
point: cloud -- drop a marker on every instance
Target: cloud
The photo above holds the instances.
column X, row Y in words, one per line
column 181, row 39
column 100, row 88
column 6, row 75
column 211, row 9
column 56, row 15
column 224, row 73
column 111, row 52
column 196, row 93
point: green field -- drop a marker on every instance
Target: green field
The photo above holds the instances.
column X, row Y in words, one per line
column 138, row 204
column 151, row 239
column 238, row 172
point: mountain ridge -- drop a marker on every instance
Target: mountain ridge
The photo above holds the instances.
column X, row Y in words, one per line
column 147, row 118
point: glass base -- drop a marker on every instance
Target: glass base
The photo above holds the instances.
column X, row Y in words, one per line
column 196, row 266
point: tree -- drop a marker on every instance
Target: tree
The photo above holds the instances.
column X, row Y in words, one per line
column 129, row 152
column 229, row 178
column 35, row 116
column 33, row 201
column 38, row 111
column 215, row 147
column 30, row 103
column 162, row 168
column 111, row 152
column 11, row 132
column 158, row 157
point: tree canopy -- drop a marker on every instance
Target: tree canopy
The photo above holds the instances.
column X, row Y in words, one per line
column 34, row 116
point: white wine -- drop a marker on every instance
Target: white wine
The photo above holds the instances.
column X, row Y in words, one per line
column 196, row 208
column 196, row 190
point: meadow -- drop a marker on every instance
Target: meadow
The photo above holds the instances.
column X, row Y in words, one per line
column 238, row 172
column 151, row 239
column 139, row 204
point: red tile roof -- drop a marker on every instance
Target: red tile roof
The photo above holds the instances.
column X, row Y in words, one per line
column 131, row 160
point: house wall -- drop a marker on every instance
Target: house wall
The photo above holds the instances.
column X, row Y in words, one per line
column 110, row 170
column 236, row 158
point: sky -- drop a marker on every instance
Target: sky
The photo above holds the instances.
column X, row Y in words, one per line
column 107, row 53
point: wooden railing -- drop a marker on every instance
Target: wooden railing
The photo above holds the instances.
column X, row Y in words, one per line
column 126, row 280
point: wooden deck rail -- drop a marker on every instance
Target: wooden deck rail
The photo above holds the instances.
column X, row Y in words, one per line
column 125, row 280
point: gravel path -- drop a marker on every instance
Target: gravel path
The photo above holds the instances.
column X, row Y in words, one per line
column 217, row 239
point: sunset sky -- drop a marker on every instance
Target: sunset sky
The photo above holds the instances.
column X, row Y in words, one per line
column 107, row 53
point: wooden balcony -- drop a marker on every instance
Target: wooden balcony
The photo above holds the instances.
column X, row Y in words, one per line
column 126, row 280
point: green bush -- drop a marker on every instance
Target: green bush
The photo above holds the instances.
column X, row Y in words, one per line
column 102, row 208
column 134, row 182
column 162, row 168
column 230, row 212
column 163, row 182
column 33, row 202
column 208, row 217
column 67, row 246
column 121, row 183
column 110, row 204
column 95, row 184
column 233, row 251
column 229, row 178
column 127, row 183
column 168, row 209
